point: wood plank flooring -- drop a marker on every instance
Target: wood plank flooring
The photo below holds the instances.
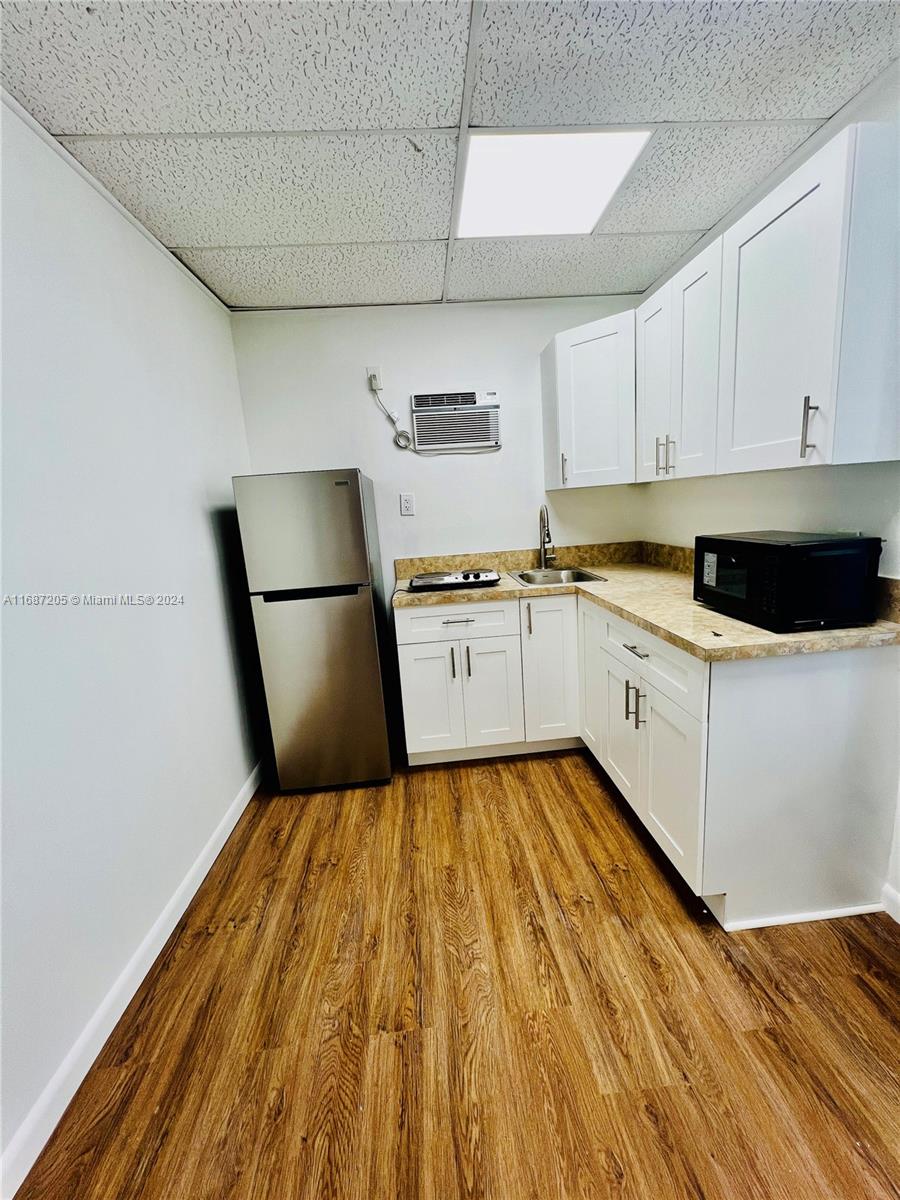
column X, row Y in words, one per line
column 482, row 982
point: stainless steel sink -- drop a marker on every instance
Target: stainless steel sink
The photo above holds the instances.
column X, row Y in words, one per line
column 550, row 576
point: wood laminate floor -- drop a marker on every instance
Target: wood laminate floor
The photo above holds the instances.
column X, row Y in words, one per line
column 480, row 982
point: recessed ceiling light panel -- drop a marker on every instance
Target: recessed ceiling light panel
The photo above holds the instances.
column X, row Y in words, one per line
column 521, row 184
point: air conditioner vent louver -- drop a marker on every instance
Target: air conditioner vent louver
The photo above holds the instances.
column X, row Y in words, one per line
column 456, row 421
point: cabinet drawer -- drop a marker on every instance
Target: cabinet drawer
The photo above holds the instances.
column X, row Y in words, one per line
column 673, row 672
column 445, row 622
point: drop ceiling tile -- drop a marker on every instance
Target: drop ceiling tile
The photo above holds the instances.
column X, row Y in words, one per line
column 691, row 175
column 501, row 268
column 317, row 276
column 240, row 191
column 164, row 67
column 563, row 63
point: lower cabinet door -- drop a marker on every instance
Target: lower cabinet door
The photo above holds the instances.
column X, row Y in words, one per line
column 432, row 685
column 550, row 667
column 620, row 749
column 592, row 679
column 672, row 781
column 492, row 687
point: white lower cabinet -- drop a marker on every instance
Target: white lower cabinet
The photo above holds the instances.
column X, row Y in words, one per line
column 672, row 780
column 492, row 690
column 651, row 748
column 550, row 667
column 432, row 696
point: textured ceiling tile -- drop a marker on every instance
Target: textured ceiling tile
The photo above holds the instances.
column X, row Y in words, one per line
column 563, row 63
column 498, row 268
column 316, row 276
column 691, row 175
column 165, row 67
column 240, row 191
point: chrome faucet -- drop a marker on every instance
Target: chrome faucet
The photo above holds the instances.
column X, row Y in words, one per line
column 544, row 539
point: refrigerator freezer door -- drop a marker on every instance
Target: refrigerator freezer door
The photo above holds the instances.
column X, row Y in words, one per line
column 323, row 686
column 303, row 529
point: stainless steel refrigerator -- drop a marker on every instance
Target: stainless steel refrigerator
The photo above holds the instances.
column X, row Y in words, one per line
column 310, row 545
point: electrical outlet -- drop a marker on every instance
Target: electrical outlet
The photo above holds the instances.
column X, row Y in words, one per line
column 374, row 376
column 407, row 504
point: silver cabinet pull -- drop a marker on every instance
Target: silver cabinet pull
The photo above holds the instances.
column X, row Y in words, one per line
column 469, row 661
column 458, row 621
column 628, row 713
column 670, row 442
column 530, row 627
column 805, row 443
column 638, row 697
column 562, row 463
column 452, row 662
column 634, row 650
column 659, row 442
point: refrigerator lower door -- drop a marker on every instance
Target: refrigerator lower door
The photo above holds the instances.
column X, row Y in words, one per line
column 320, row 667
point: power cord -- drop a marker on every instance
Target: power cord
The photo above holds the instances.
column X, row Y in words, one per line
column 403, row 438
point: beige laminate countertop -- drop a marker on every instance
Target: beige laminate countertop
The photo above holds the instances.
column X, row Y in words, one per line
column 661, row 601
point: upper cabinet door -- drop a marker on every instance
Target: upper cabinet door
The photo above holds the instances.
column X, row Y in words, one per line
column 782, row 292
column 653, row 353
column 695, row 299
column 595, row 395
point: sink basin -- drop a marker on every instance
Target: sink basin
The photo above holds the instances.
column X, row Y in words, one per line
column 549, row 576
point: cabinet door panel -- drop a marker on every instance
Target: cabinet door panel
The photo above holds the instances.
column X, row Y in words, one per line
column 654, row 367
column 432, row 689
column 595, row 371
column 550, row 667
column 592, row 677
column 672, row 785
column 492, row 690
column 620, row 751
column 782, row 281
column 696, row 308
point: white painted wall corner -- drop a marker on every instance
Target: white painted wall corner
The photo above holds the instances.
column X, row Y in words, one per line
column 32, row 1135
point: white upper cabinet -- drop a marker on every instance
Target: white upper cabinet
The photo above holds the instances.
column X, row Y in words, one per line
column 802, row 381
column 677, row 348
column 588, row 400
column 653, row 349
column 695, row 299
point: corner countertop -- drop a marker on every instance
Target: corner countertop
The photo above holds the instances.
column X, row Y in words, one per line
column 661, row 602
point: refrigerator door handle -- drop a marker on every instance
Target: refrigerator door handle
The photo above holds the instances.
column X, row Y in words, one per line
column 288, row 594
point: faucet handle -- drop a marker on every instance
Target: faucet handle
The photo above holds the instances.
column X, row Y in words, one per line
column 550, row 556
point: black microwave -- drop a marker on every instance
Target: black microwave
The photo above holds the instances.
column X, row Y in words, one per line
column 789, row 581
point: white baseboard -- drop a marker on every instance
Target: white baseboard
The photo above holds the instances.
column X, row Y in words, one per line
column 471, row 753
column 827, row 914
column 890, row 898
column 32, row 1135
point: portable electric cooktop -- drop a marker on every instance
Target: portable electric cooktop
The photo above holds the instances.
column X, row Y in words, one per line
column 438, row 581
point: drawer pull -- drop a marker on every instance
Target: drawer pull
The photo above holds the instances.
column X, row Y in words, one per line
column 634, row 650
column 458, row 621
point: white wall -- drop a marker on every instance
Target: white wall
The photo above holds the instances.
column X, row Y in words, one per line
column 303, row 382
column 123, row 741
column 864, row 496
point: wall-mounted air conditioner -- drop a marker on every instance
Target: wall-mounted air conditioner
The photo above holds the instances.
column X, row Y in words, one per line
column 456, row 421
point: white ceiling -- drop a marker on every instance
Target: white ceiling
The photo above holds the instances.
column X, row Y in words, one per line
column 304, row 153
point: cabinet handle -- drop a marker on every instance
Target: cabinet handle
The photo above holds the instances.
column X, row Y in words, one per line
column 638, row 697
column 528, row 609
column 469, row 661
column 634, row 650
column 628, row 712
column 562, row 463
column 452, row 662
column 659, row 442
column 670, row 442
column 805, row 443
column 458, row 621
